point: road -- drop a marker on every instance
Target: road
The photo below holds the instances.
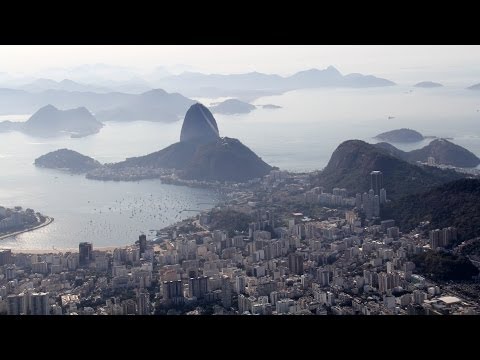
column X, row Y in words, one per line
column 48, row 220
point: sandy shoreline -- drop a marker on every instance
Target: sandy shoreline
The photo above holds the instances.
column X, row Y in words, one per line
column 48, row 221
column 58, row 251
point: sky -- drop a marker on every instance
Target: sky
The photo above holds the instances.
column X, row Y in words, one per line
column 396, row 62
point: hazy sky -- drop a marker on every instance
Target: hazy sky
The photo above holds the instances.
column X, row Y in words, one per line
column 395, row 62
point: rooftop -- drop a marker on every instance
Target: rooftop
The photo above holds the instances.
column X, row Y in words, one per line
column 449, row 300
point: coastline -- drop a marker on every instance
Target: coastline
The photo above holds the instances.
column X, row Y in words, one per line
column 109, row 249
column 63, row 250
column 48, row 221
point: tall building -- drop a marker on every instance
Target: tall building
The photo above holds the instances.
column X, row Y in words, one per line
column 447, row 236
column 85, row 250
column 198, row 287
column 376, row 206
column 16, row 305
column 393, row 232
column 39, row 304
column 129, row 307
column 435, row 238
column 358, row 201
column 419, row 296
column 242, row 304
column 5, row 257
column 323, row 277
column 143, row 303
column 367, row 200
column 172, row 289
column 271, row 218
column 383, row 196
column 10, row 272
column 376, row 181
column 295, row 263
column 226, row 292
column 142, row 242
column 385, row 282
column 351, row 217
column 240, row 284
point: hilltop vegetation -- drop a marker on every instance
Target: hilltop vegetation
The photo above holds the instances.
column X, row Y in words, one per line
column 453, row 204
column 444, row 266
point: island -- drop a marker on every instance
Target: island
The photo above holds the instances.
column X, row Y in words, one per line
column 67, row 160
column 16, row 220
column 271, row 106
column 232, row 107
column 400, row 136
column 201, row 158
column 50, row 121
column 475, row 87
column 428, row 84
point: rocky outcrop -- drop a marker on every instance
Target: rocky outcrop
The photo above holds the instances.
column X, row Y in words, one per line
column 199, row 125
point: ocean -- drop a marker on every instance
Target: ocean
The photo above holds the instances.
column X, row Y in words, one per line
column 300, row 136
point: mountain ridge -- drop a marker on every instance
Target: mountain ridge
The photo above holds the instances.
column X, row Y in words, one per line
column 49, row 121
column 353, row 160
column 443, row 151
column 201, row 154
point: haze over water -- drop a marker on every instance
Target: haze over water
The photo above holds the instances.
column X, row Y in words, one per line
column 299, row 137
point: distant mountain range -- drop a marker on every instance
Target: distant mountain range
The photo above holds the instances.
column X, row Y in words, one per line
column 194, row 83
column 107, row 101
column 40, row 85
column 443, row 151
column 353, row 160
column 104, row 78
column 154, row 105
column 50, row 121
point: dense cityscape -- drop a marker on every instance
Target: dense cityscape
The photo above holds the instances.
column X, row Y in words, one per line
column 275, row 246
column 239, row 180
